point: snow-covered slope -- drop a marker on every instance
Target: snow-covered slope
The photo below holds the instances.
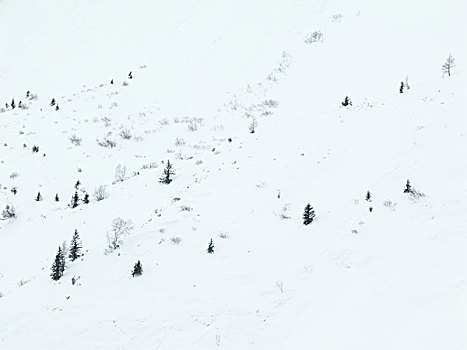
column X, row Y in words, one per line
column 394, row 277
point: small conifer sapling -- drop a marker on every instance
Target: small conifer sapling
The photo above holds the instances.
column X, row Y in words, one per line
column 75, row 247
column 210, row 249
column 137, row 269
column 168, row 173
column 308, row 214
column 58, row 266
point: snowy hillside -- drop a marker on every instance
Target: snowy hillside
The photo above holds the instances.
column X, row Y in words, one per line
column 97, row 96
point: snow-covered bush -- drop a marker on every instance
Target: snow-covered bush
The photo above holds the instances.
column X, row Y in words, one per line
column 9, row 212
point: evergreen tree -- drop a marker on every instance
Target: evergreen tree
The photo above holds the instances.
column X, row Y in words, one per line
column 75, row 247
column 52, row 103
column 111, row 82
column 210, row 249
column 86, row 199
column 401, row 89
column 74, row 200
column 130, row 75
column 347, row 102
column 38, row 197
column 408, row 187
column 168, row 172
column 137, row 269
column 368, row 196
column 56, row 107
column 308, row 214
column 58, row 267
column 77, row 184
column 57, row 198
column 13, row 105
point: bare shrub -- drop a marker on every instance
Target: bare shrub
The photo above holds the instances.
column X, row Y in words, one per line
column 284, row 214
column 22, row 282
column 175, row 240
column 107, row 142
column 164, row 122
column 120, row 227
column 125, row 134
column 223, row 235
column 192, row 126
column 314, row 37
column 100, row 193
column 151, row 165
column 14, row 175
column 75, row 140
column 120, row 173
column 186, row 208
column 179, row 142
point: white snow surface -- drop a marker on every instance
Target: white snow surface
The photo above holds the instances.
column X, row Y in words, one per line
column 203, row 70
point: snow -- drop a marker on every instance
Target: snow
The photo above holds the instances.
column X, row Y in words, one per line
column 392, row 278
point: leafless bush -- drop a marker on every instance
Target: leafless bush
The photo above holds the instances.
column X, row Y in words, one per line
column 252, row 126
column 180, row 142
column 151, row 165
column 337, row 17
column 280, row 286
column 164, row 122
column 199, row 162
column 186, row 208
column 107, row 121
column 106, row 142
column 284, row 214
column 75, row 140
column 125, row 134
column 120, row 227
column 223, row 235
column 192, row 126
column 120, row 173
column 100, row 193
column 314, row 37
column 14, row 175
column 175, row 240
column 415, row 194
column 389, row 204
column 22, row 282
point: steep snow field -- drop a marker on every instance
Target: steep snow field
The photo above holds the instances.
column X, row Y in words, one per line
column 203, row 71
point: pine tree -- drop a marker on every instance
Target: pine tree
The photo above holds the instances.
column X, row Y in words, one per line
column 168, row 172
column 38, row 197
column 75, row 247
column 111, row 82
column 368, row 196
column 58, row 267
column 137, row 269
column 74, row 200
column 52, row 103
column 13, row 105
column 401, row 89
column 408, row 187
column 210, row 249
column 57, row 198
column 77, row 184
column 308, row 214
column 130, row 75
column 347, row 102
column 86, row 199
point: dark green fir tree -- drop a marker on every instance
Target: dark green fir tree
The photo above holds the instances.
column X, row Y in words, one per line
column 166, row 177
column 75, row 247
column 308, row 214
column 137, row 269
column 58, row 267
